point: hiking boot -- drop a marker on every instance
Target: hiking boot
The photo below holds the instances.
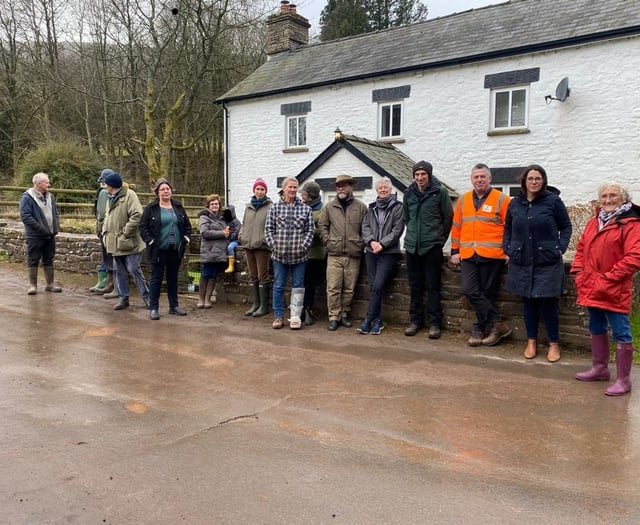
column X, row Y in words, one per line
column 434, row 332
column 497, row 333
column 476, row 338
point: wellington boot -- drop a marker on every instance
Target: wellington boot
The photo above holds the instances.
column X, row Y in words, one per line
column 33, row 280
column 99, row 286
column 255, row 291
column 232, row 264
column 211, row 287
column 108, row 287
column 263, row 290
column 599, row 358
column 624, row 360
column 202, row 292
column 51, row 286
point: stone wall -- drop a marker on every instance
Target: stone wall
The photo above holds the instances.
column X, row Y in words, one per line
column 81, row 254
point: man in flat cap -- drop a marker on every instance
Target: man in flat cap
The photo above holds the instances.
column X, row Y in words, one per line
column 340, row 228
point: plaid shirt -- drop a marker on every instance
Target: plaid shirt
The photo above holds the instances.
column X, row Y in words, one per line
column 289, row 231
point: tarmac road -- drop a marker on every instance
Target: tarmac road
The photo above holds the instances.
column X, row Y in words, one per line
column 107, row 417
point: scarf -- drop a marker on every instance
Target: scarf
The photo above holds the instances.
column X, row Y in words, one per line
column 256, row 203
column 605, row 216
column 382, row 206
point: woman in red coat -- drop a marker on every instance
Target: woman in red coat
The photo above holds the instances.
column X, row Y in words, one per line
column 607, row 256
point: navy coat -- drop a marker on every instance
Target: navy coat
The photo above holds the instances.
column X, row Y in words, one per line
column 536, row 234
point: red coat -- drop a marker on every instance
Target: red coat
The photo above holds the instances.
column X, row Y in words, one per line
column 606, row 261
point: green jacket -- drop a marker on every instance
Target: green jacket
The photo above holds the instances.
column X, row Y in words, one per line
column 427, row 217
column 120, row 230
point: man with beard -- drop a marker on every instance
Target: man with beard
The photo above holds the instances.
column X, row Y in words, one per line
column 340, row 227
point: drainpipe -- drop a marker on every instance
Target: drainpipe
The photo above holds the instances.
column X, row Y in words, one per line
column 226, row 152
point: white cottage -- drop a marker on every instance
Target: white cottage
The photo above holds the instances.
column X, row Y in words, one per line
column 545, row 81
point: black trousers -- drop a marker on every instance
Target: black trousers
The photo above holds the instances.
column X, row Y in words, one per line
column 480, row 280
column 38, row 249
column 425, row 275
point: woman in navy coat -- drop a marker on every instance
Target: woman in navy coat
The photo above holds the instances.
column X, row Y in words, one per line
column 536, row 234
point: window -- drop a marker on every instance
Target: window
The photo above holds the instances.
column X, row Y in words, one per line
column 296, row 131
column 510, row 108
column 295, row 125
column 510, row 99
column 390, row 104
column 390, row 119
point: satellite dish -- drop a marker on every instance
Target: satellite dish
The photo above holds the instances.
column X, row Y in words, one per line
column 563, row 91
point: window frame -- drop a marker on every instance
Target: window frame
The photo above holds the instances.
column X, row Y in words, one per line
column 390, row 104
column 494, row 107
column 287, row 136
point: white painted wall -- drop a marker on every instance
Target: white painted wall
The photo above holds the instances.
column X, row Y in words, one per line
column 591, row 137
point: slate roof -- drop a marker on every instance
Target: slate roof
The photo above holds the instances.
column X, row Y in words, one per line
column 383, row 158
column 512, row 28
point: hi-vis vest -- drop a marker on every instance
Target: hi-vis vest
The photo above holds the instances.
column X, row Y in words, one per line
column 479, row 231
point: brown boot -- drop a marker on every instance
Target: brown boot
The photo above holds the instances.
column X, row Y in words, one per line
column 553, row 354
column 532, row 348
column 497, row 333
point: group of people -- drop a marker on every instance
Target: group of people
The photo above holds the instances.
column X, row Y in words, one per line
column 299, row 236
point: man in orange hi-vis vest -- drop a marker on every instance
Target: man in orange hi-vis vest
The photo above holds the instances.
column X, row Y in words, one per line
column 476, row 246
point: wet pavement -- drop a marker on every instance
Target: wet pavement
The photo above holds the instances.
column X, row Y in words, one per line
column 215, row 418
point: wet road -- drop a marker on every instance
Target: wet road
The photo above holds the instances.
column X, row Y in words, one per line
column 107, row 417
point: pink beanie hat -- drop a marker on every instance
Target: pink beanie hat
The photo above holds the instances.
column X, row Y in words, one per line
column 260, row 182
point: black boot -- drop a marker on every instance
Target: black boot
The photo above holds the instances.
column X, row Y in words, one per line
column 255, row 291
column 263, row 290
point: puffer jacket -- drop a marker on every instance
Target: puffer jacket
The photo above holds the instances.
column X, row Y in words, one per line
column 606, row 261
column 252, row 233
column 213, row 243
column 536, row 234
column 427, row 216
column 392, row 227
column 121, row 226
column 341, row 230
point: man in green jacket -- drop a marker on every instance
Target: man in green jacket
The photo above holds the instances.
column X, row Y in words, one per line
column 428, row 215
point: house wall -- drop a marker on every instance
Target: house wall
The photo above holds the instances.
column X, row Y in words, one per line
column 591, row 137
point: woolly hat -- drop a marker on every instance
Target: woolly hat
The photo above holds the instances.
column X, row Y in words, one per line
column 103, row 175
column 423, row 165
column 311, row 188
column 114, row 180
column 260, row 182
column 159, row 182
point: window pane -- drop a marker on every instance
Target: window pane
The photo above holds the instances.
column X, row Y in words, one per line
column 293, row 132
column 396, row 126
column 518, row 107
column 502, row 109
column 385, row 125
column 302, row 131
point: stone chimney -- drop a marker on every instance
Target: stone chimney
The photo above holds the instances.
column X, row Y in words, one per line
column 286, row 29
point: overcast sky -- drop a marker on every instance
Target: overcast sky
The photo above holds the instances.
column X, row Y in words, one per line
column 311, row 9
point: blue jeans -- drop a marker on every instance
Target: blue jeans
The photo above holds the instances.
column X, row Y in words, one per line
column 547, row 308
column 123, row 265
column 231, row 248
column 620, row 326
column 280, row 273
column 380, row 269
